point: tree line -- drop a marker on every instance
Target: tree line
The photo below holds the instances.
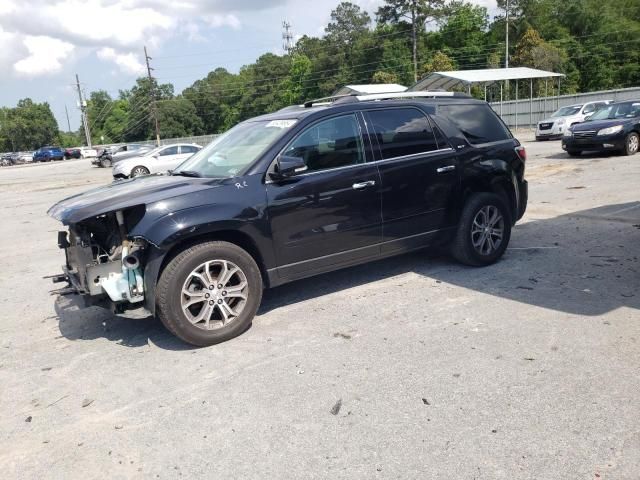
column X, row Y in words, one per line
column 594, row 43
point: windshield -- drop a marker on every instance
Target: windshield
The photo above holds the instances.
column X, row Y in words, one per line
column 236, row 149
column 567, row 111
column 617, row 110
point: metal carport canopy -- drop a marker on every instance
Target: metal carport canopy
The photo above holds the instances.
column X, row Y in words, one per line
column 446, row 80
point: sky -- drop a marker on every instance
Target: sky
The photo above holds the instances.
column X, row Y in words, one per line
column 44, row 43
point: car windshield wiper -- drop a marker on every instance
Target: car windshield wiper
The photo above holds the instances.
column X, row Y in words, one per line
column 187, row 173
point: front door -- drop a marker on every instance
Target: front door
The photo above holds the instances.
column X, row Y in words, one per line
column 419, row 173
column 328, row 215
column 167, row 159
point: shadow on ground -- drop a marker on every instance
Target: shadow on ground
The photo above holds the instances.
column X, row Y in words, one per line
column 583, row 263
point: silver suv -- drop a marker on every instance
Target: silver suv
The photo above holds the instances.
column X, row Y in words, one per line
column 554, row 126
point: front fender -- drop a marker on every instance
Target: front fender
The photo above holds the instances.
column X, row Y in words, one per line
column 203, row 222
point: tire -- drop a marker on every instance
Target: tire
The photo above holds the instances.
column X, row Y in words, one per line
column 105, row 163
column 574, row 153
column 631, row 144
column 181, row 274
column 478, row 206
column 139, row 171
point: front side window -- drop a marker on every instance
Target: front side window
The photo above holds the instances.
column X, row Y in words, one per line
column 329, row 144
column 169, row 151
column 401, row 132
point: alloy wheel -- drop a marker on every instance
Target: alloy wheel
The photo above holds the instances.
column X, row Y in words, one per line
column 632, row 143
column 487, row 230
column 138, row 171
column 214, row 294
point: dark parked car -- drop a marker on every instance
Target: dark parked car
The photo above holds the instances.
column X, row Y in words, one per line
column 292, row 194
column 46, row 154
column 72, row 153
column 615, row 128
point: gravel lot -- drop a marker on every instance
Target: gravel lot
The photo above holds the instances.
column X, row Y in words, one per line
column 412, row 367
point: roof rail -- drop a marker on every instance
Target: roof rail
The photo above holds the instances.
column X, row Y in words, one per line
column 354, row 97
column 426, row 94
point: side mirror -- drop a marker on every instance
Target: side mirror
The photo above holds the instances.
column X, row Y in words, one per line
column 156, row 155
column 289, row 166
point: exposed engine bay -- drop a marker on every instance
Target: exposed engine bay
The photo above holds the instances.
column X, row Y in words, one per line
column 102, row 262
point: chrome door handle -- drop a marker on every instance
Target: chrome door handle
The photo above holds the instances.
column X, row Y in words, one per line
column 448, row 168
column 360, row 186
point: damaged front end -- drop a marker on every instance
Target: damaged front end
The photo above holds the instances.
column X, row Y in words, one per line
column 103, row 263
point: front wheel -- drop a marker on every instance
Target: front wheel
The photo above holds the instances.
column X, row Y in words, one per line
column 209, row 293
column 139, row 171
column 484, row 230
column 631, row 144
column 105, row 163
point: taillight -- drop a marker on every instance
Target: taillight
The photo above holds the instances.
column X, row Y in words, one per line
column 522, row 153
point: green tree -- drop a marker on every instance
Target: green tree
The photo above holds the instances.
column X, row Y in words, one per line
column 439, row 62
column 140, row 124
column 178, row 118
column 348, row 22
column 417, row 13
column 30, row 125
column 294, row 86
column 384, row 77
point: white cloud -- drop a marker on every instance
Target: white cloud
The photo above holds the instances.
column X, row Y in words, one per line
column 115, row 29
column 127, row 62
column 46, row 55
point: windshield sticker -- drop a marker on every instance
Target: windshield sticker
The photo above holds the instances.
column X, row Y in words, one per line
column 281, row 123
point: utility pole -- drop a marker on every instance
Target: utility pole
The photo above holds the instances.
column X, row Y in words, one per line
column 68, row 122
column 287, row 37
column 506, row 56
column 83, row 113
column 154, row 107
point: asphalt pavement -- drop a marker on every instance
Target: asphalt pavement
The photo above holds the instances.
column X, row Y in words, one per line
column 410, row 367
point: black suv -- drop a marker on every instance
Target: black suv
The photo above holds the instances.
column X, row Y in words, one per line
column 292, row 194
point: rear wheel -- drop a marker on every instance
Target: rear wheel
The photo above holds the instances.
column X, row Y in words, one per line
column 209, row 293
column 631, row 144
column 484, row 230
column 138, row 171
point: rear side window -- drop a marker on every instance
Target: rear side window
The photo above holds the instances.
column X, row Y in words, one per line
column 477, row 122
column 401, row 131
column 188, row 149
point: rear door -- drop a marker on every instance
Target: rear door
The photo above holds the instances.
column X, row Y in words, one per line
column 419, row 174
column 329, row 215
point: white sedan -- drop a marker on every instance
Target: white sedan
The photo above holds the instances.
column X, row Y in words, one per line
column 158, row 160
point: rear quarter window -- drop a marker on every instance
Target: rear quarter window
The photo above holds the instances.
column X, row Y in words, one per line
column 478, row 123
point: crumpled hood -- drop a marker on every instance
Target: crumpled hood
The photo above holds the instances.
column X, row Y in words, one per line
column 128, row 193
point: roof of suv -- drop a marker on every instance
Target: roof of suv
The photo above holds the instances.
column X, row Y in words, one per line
column 300, row 111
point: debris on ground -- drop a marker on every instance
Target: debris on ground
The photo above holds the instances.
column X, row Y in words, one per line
column 28, row 419
column 86, row 402
column 336, row 408
column 425, row 401
column 342, row 335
